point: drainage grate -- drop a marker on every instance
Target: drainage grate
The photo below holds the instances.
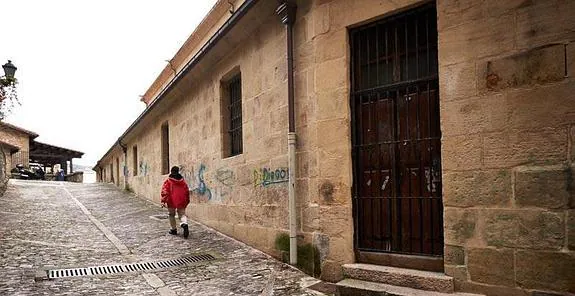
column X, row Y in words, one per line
column 119, row 268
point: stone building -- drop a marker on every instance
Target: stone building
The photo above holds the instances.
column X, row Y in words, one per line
column 429, row 135
column 20, row 147
column 18, row 137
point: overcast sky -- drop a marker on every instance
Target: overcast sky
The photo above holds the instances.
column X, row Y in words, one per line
column 82, row 65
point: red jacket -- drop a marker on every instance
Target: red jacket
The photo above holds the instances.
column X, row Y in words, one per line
column 175, row 193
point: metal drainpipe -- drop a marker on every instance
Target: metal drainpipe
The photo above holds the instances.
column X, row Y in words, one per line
column 287, row 11
column 125, row 150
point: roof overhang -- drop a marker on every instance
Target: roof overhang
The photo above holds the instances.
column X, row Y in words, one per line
column 237, row 28
column 50, row 154
column 18, row 129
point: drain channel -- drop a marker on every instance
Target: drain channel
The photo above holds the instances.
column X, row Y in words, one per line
column 120, row 268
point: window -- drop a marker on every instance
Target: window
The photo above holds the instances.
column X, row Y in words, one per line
column 165, row 149
column 112, row 173
column 135, row 160
column 232, row 116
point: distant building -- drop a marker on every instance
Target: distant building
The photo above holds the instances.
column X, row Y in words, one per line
column 436, row 136
column 24, row 149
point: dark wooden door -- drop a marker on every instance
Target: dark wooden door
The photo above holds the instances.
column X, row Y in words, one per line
column 396, row 135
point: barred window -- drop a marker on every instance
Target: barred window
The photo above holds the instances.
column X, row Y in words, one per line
column 165, row 149
column 135, row 160
column 234, row 142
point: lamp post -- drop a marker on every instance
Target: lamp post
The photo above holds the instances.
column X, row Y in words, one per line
column 8, row 95
column 9, row 71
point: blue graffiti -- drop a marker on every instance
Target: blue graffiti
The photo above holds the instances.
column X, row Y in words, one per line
column 143, row 168
column 202, row 188
column 265, row 176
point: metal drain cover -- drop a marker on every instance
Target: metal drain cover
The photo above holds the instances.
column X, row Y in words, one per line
column 120, row 268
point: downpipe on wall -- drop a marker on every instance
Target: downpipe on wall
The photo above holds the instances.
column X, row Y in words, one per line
column 125, row 150
column 287, row 11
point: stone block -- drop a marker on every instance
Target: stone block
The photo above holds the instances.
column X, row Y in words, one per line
column 332, row 163
column 571, row 230
column 331, row 75
column 321, row 23
column 341, row 249
column 476, row 39
column 331, row 271
column 477, row 188
column 513, row 148
column 346, row 13
column 454, row 255
column 529, row 111
column 535, row 66
column 544, row 22
column 457, row 81
column 307, row 164
column 483, row 289
column 455, row 13
column 552, row 271
column 457, row 272
column 336, row 221
column 310, row 219
column 332, row 45
column 333, row 133
column 544, row 187
column 497, row 8
column 333, row 104
column 459, row 225
column 490, row 266
column 528, row 229
column 461, row 152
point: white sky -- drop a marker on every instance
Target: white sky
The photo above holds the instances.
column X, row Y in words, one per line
column 82, row 65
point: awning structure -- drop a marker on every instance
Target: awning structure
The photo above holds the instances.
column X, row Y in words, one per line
column 49, row 155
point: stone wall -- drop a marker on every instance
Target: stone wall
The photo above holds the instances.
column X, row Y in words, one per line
column 506, row 117
column 506, row 84
column 18, row 139
column 76, row 177
column 4, row 168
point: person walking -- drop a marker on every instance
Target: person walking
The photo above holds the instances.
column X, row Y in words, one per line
column 176, row 197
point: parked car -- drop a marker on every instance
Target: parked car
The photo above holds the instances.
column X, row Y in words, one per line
column 35, row 172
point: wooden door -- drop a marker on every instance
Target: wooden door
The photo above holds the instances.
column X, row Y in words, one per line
column 396, row 135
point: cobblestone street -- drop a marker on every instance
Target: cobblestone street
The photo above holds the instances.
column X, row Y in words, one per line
column 47, row 225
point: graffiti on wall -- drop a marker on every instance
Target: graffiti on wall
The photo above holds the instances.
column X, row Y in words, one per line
column 266, row 176
column 143, row 168
column 221, row 185
column 225, row 180
column 196, row 180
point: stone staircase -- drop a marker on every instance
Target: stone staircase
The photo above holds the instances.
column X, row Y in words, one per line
column 375, row 280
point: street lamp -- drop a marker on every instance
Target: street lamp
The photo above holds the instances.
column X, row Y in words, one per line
column 9, row 70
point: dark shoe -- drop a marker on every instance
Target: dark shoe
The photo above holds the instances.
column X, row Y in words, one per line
column 173, row 231
column 186, row 230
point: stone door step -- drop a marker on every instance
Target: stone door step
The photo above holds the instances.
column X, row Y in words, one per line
column 352, row 287
column 415, row 279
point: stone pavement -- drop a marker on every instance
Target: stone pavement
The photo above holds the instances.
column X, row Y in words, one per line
column 60, row 225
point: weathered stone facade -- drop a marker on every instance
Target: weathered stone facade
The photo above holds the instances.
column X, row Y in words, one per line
column 508, row 132
column 18, row 137
column 507, row 87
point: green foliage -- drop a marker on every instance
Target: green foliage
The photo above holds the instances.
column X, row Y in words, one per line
column 282, row 242
column 8, row 96
column 307, row 255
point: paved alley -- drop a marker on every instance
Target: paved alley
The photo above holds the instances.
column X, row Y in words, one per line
column 52, row 225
